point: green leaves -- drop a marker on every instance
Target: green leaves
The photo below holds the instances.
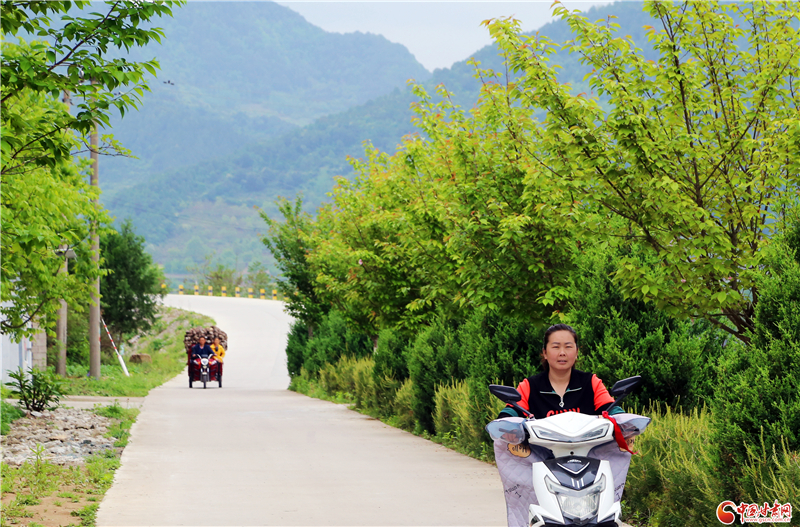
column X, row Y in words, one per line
column 693, row 153
column 47, row 207
column 682, row 166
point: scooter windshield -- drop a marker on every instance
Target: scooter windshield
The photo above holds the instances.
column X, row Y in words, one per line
column 509, row 432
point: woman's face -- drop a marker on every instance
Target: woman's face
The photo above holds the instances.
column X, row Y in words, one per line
column 561, row 351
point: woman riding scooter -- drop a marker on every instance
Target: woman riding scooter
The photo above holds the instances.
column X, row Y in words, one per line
column 560, row 387
column 542, row 442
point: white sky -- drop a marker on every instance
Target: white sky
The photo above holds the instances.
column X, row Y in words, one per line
column 437, row 33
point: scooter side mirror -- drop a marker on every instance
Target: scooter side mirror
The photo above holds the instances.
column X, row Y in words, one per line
column 506, row 394
column 625, row 386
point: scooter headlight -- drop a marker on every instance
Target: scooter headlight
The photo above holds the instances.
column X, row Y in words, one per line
column 204, row 361
column 549, row 435
column 578, row 504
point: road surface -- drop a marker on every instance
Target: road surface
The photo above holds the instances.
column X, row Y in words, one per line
column 253, row 453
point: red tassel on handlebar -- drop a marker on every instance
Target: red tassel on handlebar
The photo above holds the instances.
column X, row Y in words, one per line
column 618, row 434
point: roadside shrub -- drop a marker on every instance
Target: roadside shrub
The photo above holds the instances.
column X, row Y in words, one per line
column 499, row 350
column 677, row 362
column 770, row 474
column 364, row 383
column 433, row 360
column 296, row 347
column 37, row 390
column 404, row 406
column 337, row 377
column 460, row 419
column 448, row 398
column 672, row 481
column 333, row 339
column 759, row 393
column 390, row 360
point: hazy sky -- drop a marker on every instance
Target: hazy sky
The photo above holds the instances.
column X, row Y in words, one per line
column 437, row 33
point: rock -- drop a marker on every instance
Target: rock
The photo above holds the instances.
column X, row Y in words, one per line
column 139, row 358
column 36, row 414
column 67, row 435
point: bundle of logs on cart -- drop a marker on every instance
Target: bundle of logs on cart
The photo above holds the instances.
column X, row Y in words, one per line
column 192, row 337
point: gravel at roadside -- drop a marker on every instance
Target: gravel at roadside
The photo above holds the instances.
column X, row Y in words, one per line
column 67, row 435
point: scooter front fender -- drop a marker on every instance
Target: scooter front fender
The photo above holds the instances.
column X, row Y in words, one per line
column 549, row 511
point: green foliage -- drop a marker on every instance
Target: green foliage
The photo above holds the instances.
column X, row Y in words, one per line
column 88, row 514
column 697, row 187
column 47, row 206
column 132, row 285
column 389, row 355
column 289, row 243
column 124, row 418
column 673, row 481
column 295, row 348
column 332, row 340
column 622, row 337
column 498, row 350
column 36, row 390
column 759, row 384
column 45, row 212
column 8, row 414
column 258, row 277
column 432, row 361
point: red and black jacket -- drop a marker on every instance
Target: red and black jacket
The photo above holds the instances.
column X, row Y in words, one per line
column 585, row 394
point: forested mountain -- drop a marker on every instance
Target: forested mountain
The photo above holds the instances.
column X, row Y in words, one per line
column 233, row 73
column 206, row 207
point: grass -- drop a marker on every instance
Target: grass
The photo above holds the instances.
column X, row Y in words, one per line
column 50, row 494
column 8, row 414
column 123, row 420
column 164, row 344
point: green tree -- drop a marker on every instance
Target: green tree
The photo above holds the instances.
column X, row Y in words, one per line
column 47, row 208
column 132, row 284
column 72, row 58
column 290, row 242
column 695, row 152
column 258, row 277
column 45, row 212
column 757, row 404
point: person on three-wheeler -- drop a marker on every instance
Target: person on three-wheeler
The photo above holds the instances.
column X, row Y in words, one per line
column 204, row 365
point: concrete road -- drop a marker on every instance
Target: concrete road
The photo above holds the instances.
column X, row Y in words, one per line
column 253, row 453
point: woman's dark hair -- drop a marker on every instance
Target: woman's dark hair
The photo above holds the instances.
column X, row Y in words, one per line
column 552, row 329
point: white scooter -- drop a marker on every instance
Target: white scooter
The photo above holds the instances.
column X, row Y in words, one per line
column 576, row 462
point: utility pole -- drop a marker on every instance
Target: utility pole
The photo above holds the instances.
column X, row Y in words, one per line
column 94, row 308
column 61, row 325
